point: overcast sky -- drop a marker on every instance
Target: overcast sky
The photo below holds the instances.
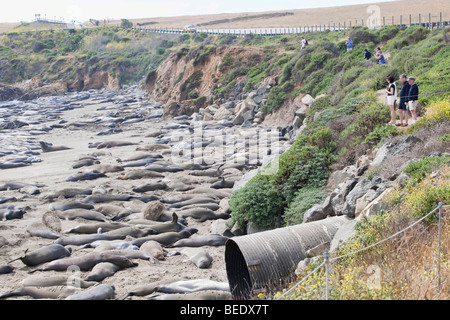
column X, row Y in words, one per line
column 82, row 10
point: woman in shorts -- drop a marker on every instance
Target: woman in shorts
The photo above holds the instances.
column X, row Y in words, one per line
column 391, row 97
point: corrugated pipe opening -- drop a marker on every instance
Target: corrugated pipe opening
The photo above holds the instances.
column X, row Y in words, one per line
column 237, row 271
column 269, row 258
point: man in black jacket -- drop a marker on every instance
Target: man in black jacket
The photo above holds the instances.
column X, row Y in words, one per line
column 403, row 105
column 413, row 98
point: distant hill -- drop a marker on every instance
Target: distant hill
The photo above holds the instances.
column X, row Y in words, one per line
column 305, row 17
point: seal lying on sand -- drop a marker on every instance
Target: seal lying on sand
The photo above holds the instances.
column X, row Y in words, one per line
column 44, row 254
column 47, row 148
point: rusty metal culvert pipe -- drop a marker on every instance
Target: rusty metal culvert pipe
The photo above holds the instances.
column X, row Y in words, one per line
column 265, row 258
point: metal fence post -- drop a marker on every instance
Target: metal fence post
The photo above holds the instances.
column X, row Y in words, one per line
column 327, row 262
column 439, row 248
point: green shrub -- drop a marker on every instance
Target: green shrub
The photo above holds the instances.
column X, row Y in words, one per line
column 380, row 132
column 418, row 170
column 259, row 202
column 303, row 200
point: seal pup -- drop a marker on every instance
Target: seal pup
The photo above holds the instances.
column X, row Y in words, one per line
column 48, row 148
column 200, row 258
column 153, row 248
column 102, row 271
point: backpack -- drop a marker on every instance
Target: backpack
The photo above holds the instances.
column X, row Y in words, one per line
column 306, row 42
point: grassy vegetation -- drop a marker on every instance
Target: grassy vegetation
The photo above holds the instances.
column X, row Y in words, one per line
column 380, row 272
column 342, row 125
column 61, row 54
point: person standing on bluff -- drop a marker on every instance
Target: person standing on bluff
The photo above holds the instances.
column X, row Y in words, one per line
column 349, row 44
column 304, row 42
column 367, row 54
column 391, row 97
column 403, row 105
column 413, row 98
column 380, row 57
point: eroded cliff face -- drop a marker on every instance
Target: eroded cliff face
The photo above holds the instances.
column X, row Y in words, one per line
column 187, row 81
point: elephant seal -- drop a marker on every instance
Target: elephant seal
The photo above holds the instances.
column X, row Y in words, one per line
column 81, row 213
column 83, row 176
column 206, row 173
column 201, row 295
column 111, row 144
column 6, row 269
column 132, row 231
column 202, row 214
column 210, row 206
column 44, row 254
column 163, row 227
column 200, row 241
column 84, row 163
column 189, row 286
column 145, row 290
column 152, row 147
column 150, row 187
column 86, row 262
column 220, row 193
column 194, row 201
column 11, row 213
column 93, row 227
column 100, row 292
column 153, row 248
column 223, row 184
column 101, row 198
column 142, row 155
column 37, row 230
column 70, row 205
column 68, row 193
column 41, row 293
column 139, row 174
column 81, row 239
column 200, row 258
column 108, row 168
column 165, row 239
column 101, row 271
column 139, row 163
column 47, row 148
column 57, row 280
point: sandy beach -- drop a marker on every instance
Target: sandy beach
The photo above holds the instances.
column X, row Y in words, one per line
column 51, row 173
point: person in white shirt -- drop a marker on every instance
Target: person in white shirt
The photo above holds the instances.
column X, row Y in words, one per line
column 391, row 97
column 304, row 42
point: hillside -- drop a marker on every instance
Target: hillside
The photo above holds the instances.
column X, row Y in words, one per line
column 295, row 17
column 325, row 100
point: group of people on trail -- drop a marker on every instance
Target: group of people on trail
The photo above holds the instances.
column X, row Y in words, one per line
column 409, row 99
column 367, row 54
